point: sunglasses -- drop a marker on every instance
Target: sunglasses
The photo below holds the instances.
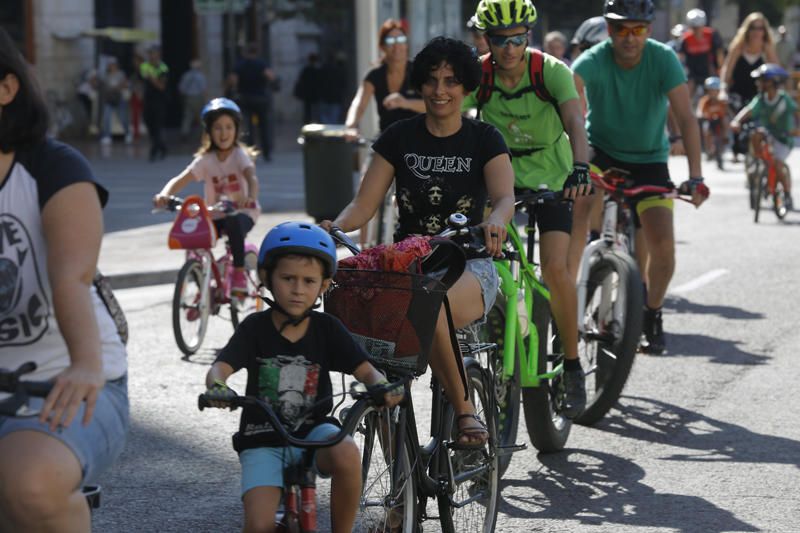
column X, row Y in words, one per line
column 504, row 40
column 399, row 39
column 762, row 28
column 624, row 31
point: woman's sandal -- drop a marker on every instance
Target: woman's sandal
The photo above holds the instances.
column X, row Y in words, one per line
column 477, row 435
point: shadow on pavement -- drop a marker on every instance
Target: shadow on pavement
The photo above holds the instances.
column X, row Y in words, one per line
column 654, row 421
column 723, row 351
column 683, row 306
column 601, row 489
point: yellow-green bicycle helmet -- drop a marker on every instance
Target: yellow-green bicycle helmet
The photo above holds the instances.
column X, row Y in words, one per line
column 501, row 14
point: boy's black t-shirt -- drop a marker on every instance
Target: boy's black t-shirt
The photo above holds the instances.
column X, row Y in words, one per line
column 290, row 376
column 438, row 176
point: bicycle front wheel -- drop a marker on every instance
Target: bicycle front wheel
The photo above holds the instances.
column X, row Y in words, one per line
column 388, row 501
column 761, row 186
column 612, row 325
column 251, row 302
column 506, row 390
column 189, row 315
column 547, row 428
column 474, row 475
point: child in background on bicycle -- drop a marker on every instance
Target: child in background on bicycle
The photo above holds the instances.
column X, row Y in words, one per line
column 227, row 169
column 288, row 351
column 712, row 112
column 773, row 109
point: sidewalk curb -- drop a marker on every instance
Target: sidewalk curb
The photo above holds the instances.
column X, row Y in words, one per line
column 142, row 279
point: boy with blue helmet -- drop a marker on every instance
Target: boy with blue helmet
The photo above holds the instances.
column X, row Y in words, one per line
column 776, row 111
column 288, row 352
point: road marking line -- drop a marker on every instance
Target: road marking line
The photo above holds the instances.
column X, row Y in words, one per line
column 696, row 283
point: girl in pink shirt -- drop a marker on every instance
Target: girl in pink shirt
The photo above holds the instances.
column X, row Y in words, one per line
column 226, row 168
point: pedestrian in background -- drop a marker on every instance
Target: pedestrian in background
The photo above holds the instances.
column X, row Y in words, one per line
column 253, row 82
column 88, row 97
column 334, row 83
column 115, row 94
column 785, row 48
column 308, row 89
column 52, row 220
column 555, row 44
column 137, row 95
column 154, row 74
column 193, row 88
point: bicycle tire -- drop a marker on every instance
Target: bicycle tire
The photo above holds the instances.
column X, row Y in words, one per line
column 190, row 337
column 241, row 307
column 547, row 428
column 507, row 395
column 761, row 181
column 474, row 472
column 608, row 364
column 779, row 196
column 719, row 147
column 752, row 172
column 377, row 510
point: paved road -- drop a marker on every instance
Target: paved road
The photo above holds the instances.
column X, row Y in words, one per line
column 705, row 439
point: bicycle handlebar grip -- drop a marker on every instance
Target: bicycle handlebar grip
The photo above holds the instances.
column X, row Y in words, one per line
column 40, row 389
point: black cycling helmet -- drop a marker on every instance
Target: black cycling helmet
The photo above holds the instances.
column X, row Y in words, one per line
column 220, row 106
column 632, row 10
column 590, row 32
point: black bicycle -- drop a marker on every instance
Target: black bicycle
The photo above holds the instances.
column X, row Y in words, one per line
column 393, row 315
column 18, row 405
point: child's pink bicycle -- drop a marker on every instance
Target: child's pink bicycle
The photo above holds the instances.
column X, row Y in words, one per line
column 203, row 286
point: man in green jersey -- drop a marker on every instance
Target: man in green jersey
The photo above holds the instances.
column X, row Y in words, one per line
column 629, row 81
column 548, row 145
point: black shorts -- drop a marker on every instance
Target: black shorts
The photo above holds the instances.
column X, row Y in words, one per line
column 641, row 173
column 550, row 217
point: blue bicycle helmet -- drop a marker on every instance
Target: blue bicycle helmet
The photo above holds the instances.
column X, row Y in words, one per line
column 712, row 83
column 770, row 71
column 301, row 238
column 217, row 107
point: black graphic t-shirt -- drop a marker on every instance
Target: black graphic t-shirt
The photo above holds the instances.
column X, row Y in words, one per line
column 387, row 117
column 438, row 176
column 28, row 328
column 290, row 376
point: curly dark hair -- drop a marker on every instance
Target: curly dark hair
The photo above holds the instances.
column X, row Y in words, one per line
column 24, row 121
column 460, row 56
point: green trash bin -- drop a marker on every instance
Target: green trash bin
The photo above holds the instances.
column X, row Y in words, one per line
column 328, row 167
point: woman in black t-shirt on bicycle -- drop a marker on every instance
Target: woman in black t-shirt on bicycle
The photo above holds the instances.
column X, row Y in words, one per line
column 442, row 163
column 388, row 82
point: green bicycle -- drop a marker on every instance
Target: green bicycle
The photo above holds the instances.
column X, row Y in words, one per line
column 519, row 323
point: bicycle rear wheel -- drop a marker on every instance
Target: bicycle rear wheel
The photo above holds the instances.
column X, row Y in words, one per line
column 506, row 391
column 475, row 474
column 779, row 196
column 388, row 494
column 547, row 428
column 608, row 345
column 189, row 316
column 252, row 302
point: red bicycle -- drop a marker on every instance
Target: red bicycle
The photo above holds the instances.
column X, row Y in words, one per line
column 766, row 185
column 203, row 286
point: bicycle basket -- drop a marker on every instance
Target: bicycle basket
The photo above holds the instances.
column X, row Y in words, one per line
column 193, row 227
column 391, row 314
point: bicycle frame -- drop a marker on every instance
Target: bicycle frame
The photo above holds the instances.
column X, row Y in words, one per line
column 519, row 273
column 765, row 155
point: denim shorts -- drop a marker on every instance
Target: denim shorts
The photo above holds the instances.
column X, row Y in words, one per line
column 97, row 445
column 485, row 271
column 263, row 467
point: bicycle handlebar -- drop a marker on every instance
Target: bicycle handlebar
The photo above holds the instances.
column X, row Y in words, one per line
column 373, row 396
column 22, row 390
column 539, row 197
column 224, row 207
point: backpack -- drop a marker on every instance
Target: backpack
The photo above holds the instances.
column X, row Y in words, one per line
column 537, row 86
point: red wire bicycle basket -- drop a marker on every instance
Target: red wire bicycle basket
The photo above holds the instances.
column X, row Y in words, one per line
column 392, row 315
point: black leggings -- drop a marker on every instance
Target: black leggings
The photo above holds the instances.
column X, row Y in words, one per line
column 236, row 228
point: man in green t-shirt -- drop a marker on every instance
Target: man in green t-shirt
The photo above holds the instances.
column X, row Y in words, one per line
column 548, row 147
column 629, row 82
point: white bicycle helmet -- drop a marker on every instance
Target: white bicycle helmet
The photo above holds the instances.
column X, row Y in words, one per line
column 696, row 18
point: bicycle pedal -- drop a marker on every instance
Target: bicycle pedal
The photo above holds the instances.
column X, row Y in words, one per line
column 512, row 448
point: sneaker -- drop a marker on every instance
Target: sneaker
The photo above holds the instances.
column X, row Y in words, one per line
column 239, row 282
column 787, row 201
column 574, row 393
column 653, row 329
column 105, row 140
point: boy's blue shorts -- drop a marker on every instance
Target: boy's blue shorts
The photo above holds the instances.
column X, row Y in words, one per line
column 263, row 467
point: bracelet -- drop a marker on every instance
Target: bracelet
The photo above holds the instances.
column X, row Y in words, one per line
column 674, row 138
